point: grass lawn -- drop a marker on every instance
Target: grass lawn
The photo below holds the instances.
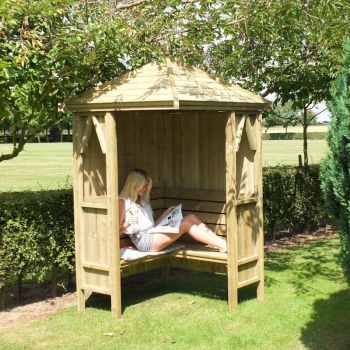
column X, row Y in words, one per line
column 307, row 306
column 40, row 165
column 286, row 151
column 49, row 165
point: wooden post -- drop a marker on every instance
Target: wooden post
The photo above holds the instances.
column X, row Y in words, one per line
column 231, row 215
column 260, row 289
column 113, row 214
column 78, row 198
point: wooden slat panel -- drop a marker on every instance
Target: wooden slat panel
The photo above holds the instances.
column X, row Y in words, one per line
column 157, row 204
column 198, row 265
column 205, row 148
column 94, row 235
column 201, row 252
column 168, row 155
column 96, row 280
column 190, row 150
column 212, row 218
column 184, row 193
column 197, row 206
column 177, row 151
column 217, row 160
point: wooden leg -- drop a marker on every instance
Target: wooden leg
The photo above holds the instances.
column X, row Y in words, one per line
column 260, row 291
column 232, row 296
column 116, row 302
column 81, row 299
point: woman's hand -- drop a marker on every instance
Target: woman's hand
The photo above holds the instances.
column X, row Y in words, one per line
column 160, row 218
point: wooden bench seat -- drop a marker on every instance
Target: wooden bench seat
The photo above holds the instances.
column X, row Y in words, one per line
column 196, row 257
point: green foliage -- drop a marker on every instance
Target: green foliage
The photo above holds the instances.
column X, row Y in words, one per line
column 336, row 167
column 292, row 199
column 50, row 51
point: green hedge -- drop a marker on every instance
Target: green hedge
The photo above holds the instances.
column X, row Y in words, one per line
column 36, row 228
column 293, row 136
column 36, row 235
column 292, row 199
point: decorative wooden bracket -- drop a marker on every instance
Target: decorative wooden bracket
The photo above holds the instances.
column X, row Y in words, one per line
column 87, row 133
column 250, row 130
column 246, row 123
column 100, row 134
column 239, row 132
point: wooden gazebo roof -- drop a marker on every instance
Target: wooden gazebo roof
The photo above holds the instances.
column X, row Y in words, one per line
column 168, row 85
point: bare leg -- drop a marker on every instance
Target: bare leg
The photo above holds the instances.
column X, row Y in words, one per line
column 162, row 240
column 220, row 241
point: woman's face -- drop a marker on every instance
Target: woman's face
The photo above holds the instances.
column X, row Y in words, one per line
column 143, row 189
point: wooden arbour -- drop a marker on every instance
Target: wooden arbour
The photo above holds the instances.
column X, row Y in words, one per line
column 199, row 138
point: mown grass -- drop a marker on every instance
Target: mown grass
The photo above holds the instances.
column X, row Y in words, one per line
column 50, row 165
column 40, row 165
column 307, row 306
column 277, row 152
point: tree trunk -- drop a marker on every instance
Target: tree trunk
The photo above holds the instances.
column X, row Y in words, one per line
column 38, row 138
column 305, row 125
column 2, row 297
column 54, row 273
column 19, row 286
column 47, row 135
column 61, row 134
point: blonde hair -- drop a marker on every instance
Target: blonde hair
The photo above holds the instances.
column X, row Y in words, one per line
column 133, row 183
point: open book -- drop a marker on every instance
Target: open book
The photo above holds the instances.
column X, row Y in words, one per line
column 170, row 223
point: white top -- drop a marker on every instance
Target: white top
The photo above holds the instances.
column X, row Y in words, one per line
column 143, row 213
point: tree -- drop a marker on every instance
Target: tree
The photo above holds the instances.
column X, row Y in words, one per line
column 292, row 49
column 284, row 115
column 335, row 170
column 50, row 51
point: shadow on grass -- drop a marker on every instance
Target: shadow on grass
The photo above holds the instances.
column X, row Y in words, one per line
column 329, row 327
column 139, row 288
column 305, row 264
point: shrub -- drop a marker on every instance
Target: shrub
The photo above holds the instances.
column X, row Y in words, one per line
column 336, row 167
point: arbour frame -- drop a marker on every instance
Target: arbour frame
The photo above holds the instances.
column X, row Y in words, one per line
column 200, row 140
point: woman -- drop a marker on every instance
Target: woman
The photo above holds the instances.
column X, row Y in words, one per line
column 136, row 217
